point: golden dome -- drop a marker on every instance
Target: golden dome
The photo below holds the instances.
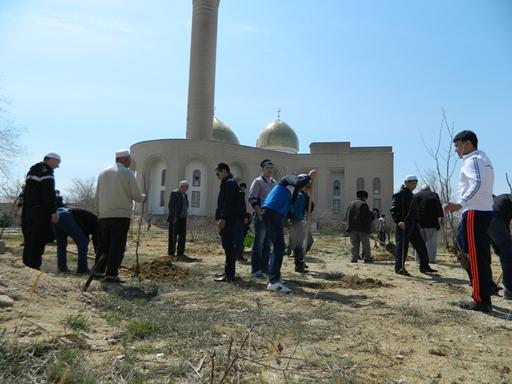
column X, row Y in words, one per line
column 278, row 136
column 222, row 133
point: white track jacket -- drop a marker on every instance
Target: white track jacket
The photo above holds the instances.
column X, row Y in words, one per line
column 476, row 182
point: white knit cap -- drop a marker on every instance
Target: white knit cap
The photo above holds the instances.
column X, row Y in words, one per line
column 122, row 153
column 410, row 178
column 53, row 155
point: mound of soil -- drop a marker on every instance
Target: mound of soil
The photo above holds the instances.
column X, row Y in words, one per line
column 356, row 282
column 382, row 255
column 161, row 269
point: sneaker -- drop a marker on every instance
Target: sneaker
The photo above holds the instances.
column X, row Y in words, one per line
column 301, row 270
column 403, row 272
column 223, row 278
column 353, row 260
column 507, row 295
column 278, row 287
column 366, row 261
column 476, row 306
column 84, row 272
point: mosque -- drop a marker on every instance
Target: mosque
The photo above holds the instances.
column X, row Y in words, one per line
column 160, row 164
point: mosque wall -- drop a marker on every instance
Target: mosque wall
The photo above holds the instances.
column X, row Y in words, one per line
column 336, row 185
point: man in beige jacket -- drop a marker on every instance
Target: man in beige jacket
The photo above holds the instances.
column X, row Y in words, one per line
column 116, row 190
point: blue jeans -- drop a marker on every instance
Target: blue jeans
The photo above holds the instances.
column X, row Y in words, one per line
column 260, row 246
column 274, row 227
column 502, row 244
column 67, row 226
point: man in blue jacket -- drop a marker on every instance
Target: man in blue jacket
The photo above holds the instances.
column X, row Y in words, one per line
column 274, row 209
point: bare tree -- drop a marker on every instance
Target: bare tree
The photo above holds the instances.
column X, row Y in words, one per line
column 81, row 193
column 9, row 138
column 440, row 176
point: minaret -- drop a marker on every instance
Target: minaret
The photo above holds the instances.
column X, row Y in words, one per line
column 201, row 85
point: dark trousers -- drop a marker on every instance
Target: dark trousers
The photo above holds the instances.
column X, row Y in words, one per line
column 501, row 241
column 113, row 233
column 34, row 226
column 473, row 239
column 229, row 236
column 402, row 247
column 177, row 233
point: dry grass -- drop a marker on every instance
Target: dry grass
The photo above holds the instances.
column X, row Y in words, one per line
column 344, row 323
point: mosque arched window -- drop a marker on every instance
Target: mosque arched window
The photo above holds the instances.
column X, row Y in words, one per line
column 360, row 184
column 162, row 177
column 336, row 188
column 196, row 178
column 376, row 186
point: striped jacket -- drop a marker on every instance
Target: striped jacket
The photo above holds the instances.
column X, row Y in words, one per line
column 476, row 182
column 39, row 191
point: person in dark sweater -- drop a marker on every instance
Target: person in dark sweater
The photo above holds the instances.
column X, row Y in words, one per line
column 404, row 213
column 229, row 214
column 430, row 216
column 39, row 207
column 359, row 221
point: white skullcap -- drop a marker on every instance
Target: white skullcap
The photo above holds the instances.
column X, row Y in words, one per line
column 410, row 178
column 183, row 182
column 53, row 155
column 122, row 153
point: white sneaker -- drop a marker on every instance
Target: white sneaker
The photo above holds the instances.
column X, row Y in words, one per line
column 278, row 287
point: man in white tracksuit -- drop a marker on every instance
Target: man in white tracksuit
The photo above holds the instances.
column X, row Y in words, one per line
column 475, row 199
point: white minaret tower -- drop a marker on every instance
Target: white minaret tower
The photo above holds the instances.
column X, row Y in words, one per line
column 201, row 85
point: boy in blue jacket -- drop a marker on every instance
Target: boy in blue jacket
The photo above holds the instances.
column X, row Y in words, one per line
column 274, row 209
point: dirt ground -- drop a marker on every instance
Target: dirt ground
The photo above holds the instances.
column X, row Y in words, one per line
column 343, row 323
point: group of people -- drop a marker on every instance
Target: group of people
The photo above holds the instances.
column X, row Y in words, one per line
column 272, row 203
column 116, row 190
column 418, row 219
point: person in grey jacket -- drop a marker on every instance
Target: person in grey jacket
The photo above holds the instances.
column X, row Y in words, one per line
column 359, row 219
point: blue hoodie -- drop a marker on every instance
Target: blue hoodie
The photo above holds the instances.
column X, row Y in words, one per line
column 279, row 198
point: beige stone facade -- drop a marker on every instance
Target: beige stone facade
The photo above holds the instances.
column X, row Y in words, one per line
column 342, row 170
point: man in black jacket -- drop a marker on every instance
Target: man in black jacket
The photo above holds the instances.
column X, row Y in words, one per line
column 404, row 212
column 229, row 215
column 430, row 216
column 177, row 219
column 39, row 206
column 359, row 221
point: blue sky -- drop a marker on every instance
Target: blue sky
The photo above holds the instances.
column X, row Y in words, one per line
column 87, row 77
